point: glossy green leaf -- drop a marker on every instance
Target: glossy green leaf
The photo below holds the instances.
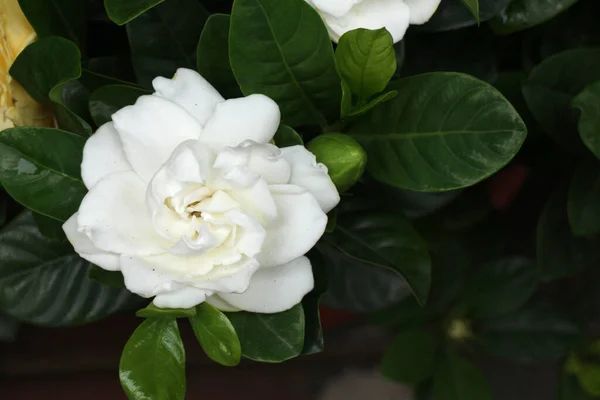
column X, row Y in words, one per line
column 153, row 362
column 500, row 286
column 346, row 101
column 43, row 282
column 213, row 56
column 175, row 27
column 216, row 335
column 443, row 131
column 286, row 137
column 282, row 49
column 107, row 100
column 588, row 102
column 313, row 331
column 410, row 357
column 108, row 278
column 551, row 88
column 385, row 240
column 534, row 334
column 371, row 104
column 69, row 100
column 270, row 338
column 458, row 379
column 152, row 311
column 452, row 14
column 559, row 252
column 584, row 199
column 40, row 168
column 523, row 14
column 49, row 227
column 66, row 18
column 366, row 60
column 122, row 12
column 473, row 6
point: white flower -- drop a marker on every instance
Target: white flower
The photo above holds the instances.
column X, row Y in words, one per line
column 190, row 202
column 342, row 16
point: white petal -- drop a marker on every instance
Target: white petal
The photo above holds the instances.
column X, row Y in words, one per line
column 191, row 91
column 257, row 200
column 221, row 304
column 336, row 8
column 299, row 224
column 274, row 290
column 421, row 10
column 151, row 129
column 114, row 216
column 102, row 155
column 86, row 249
column 255, row 117
column 372, row 14
column 186, row 297
column 266, row 160
column 312, row 176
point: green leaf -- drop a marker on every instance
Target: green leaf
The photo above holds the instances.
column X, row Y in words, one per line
column 49, row 227
column 40, row 168
column 122, row 12
column 153, row 362
column 69, row 100
column 313, row 332
column 473, row 6
column 43, row 282
column 452, row 14
column 107, row 100
column 371, row 104
column 346, row 102
column 108, row 278
column 584, row 199
column 66, row 18
column 152, row 311
column 366, row 60
column 270, row 338
column 551, row 88
column 286, row 137
column 588, row 102
column 407, row 314
column 175, row 27
column 569, row 389
column 500, row 286
column 216, row 335
column 534, row 334
column 385, row 240
column 213, row 56
column 443, row 131
column 559, row 253
column 523, row 14
column 282, row 49
column 458, row 379
column 410, row 358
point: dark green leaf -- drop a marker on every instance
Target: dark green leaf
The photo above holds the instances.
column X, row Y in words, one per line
column 2, row 209
column 551, row 88
column 107, row 100
column 9, row 327
column 523, row 14
column 70, row 99
column 216, row 335
column 151, row 311
column 286, row 137
column 282, row 49
column 588, row 102
column 584, row 199
column 121, row 12
column 386, row 240
column 271, row 338
column 443, row 131
column 42, row 282
column 458, row 379
column 500, row 287
column 366, row 60
column 372, row 104
column 165, row 38
column 407, row 314
column 49, row 227
column 534, row 334
column 153, row 362
column 473, row 6
column 40, row 168
column 108, row 278
column 313, row 332
column 357, row 286
column 452, row 14
column 66, row 18
column 213, row 56
column 410, row 357
column 559, row 253
column 569, row 389
column 118, row 67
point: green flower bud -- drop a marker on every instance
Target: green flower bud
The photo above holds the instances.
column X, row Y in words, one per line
column 343, row 156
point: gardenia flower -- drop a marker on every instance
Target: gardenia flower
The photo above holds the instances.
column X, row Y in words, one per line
column 17, row 108
column 342, row 16
column 191, row 202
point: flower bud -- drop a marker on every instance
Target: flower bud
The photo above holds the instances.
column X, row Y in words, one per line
column 343, row 156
